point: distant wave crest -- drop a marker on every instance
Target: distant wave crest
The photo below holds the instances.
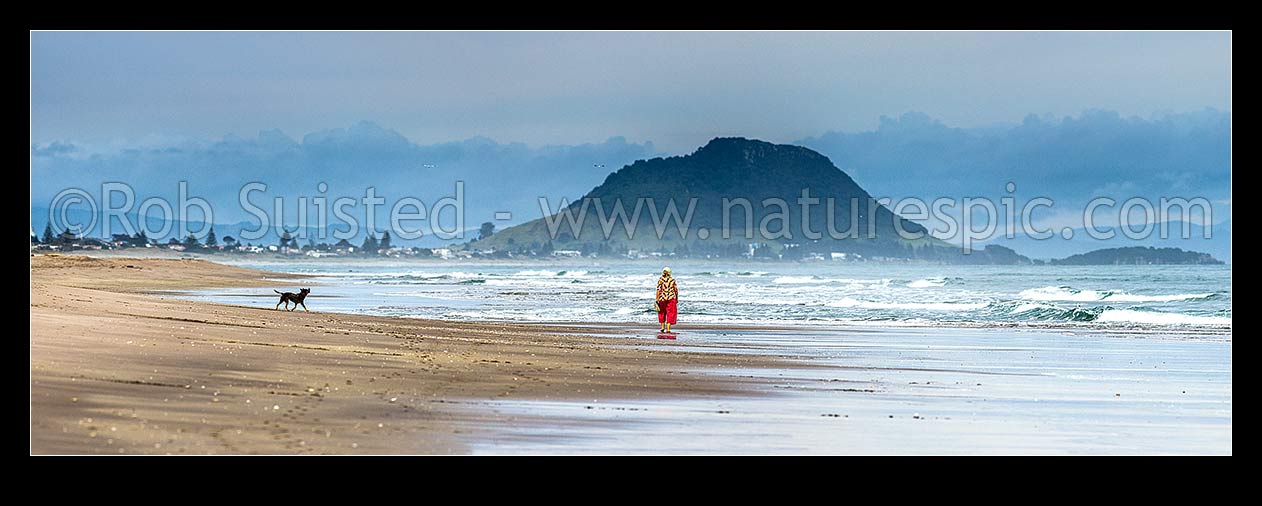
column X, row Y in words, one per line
column 1158, row 318
column 928, row 306
column 1066, row 293
column 933, row 282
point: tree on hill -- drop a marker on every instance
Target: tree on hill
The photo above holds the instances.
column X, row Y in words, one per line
column 48, row 233
column 211, row 241
column 487, row 230
column 370, row 243
column 1139, row 255
column 385, row 241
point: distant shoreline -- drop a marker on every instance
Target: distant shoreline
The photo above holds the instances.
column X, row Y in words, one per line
column 233, row 258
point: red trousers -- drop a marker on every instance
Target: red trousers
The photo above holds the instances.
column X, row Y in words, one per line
column 666, row 311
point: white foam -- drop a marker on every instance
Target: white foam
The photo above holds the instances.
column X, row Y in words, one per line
column 798, row 280
column 769, row 301
column 1061, row 293
column 813, row 280
column 929, row 306
column 863, row 282
column 413, row 275
column 462, row 274
column 535, row 273
column 1029, row 307
column 1049, row 293
column 927, row 283
column 1126, row 297
column 1157, row 318
column 550, row 274
column 651, row 293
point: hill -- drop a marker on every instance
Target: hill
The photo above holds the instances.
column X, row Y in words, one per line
column 732, row 197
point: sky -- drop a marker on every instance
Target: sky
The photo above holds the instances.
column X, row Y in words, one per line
column 674, row 89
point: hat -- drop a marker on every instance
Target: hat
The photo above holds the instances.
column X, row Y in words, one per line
column 665, row 270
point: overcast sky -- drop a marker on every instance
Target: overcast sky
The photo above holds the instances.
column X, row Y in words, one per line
column 676, row 89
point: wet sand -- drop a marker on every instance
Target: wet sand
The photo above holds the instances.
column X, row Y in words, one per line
column 120, row 365
column 918, row 391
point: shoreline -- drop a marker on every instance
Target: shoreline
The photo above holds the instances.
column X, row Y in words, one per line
column 1220, row 333
column 118, row 365
column 1002, row 307
column 742, row 261
column 877, row 326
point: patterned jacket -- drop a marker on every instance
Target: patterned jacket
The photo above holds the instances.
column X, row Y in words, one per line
column 667, row 289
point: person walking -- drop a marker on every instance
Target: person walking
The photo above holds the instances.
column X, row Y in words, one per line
column 667, row 299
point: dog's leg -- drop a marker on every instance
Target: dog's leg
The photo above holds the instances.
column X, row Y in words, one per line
column 304, row 307
column 278, row 304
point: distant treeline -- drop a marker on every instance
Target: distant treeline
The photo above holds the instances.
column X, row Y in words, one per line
column 1139, row 255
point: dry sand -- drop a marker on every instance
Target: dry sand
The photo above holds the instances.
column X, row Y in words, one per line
column 119, row 365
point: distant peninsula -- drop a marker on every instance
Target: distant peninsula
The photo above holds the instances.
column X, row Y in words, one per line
column 1139, row 255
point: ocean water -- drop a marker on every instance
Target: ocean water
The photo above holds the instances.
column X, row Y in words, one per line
column 1190, row 299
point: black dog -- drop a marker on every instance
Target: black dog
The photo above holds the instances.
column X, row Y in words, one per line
column 296, row 298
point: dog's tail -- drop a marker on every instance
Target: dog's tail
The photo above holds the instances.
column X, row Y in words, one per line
column 274, row 290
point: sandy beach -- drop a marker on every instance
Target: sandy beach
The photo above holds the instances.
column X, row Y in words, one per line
column 121, row 365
